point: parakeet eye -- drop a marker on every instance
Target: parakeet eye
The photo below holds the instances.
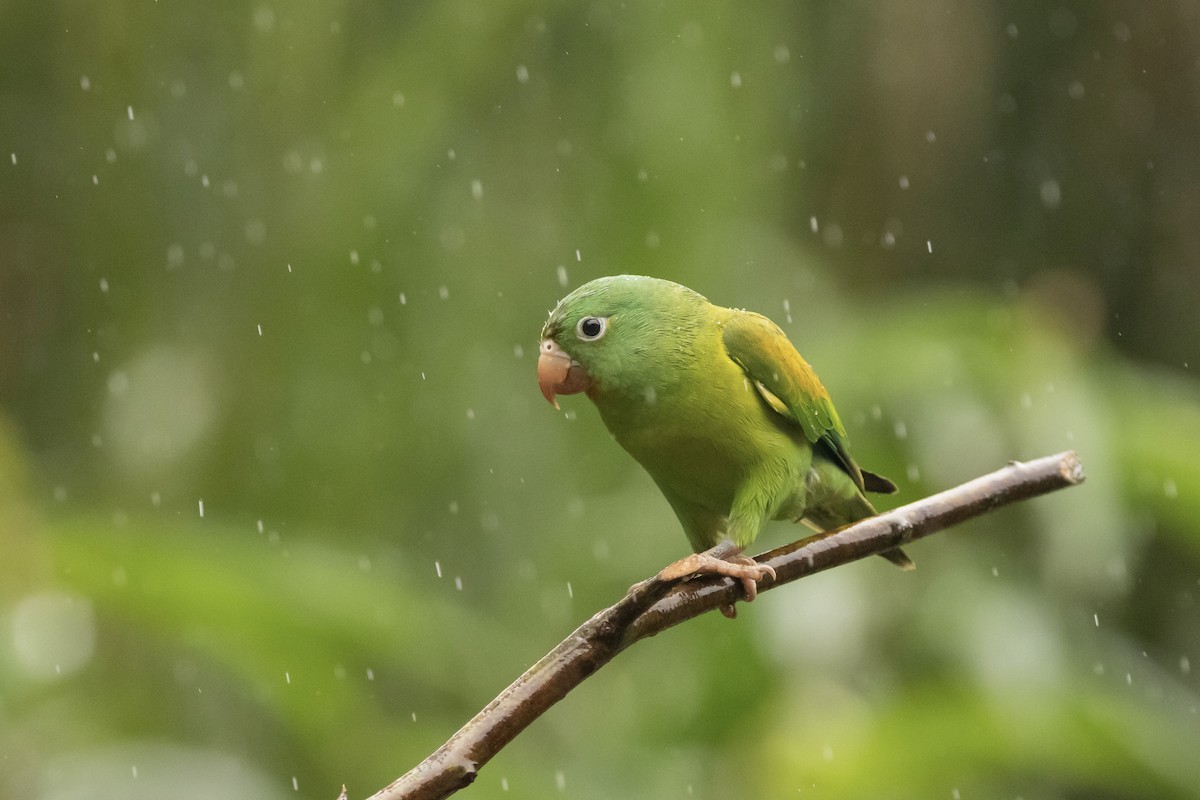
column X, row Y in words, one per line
column 591, row 328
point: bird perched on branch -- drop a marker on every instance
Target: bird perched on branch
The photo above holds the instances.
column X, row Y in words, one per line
column 715, row 403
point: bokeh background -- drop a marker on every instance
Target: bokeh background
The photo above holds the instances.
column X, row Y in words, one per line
column 281, row 506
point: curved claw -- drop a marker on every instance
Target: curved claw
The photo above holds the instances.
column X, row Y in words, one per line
column 750, row 582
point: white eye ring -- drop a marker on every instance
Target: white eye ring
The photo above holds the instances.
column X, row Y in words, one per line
column 590, row 329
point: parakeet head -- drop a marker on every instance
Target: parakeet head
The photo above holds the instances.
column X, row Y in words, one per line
column 614, row 333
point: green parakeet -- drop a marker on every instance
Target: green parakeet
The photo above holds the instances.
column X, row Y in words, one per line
column 715, row 403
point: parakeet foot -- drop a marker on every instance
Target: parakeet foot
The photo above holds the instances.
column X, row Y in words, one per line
column 721, row 561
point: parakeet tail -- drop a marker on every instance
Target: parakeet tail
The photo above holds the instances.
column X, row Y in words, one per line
column 899, row 558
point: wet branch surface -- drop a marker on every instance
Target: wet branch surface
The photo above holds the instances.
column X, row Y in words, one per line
column 654, row 605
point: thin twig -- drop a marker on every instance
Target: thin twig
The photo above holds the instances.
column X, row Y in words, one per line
column 653, row 606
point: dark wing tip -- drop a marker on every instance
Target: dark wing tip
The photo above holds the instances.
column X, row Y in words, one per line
column 877, row 483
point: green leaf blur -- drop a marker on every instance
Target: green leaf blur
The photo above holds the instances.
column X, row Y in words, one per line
column 281, row 506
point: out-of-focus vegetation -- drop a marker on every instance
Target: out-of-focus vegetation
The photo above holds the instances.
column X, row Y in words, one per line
column 281, row 506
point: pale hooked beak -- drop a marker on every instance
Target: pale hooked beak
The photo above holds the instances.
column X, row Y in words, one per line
column 558, row 373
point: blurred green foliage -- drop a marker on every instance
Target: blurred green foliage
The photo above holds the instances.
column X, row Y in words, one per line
column 281, row 506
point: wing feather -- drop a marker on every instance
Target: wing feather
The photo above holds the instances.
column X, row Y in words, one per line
column 787, row 383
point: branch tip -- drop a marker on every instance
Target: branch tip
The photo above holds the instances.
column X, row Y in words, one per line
column 1072, row 468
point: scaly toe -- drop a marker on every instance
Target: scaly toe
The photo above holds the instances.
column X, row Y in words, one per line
column 750, row 587
column 688, row 565
column 739, row 567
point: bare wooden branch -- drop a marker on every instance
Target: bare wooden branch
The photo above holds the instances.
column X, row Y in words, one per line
column 654, row 605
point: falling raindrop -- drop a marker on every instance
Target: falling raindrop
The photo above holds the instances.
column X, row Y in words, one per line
column 1050, row 193
column 264, row 19
column 522, row 73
